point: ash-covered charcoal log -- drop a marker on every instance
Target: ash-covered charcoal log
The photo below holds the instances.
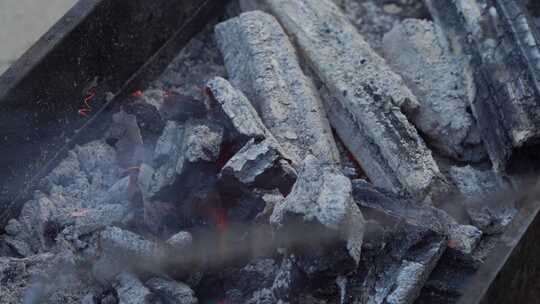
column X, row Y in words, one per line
column 262, row 62
column 503, row 45
column 231, row 108
column 320, row 202
column 121, row 250
column 368, row 100
column 395, row 272
column 463, row 238
column 257, row 165
column 436, row 76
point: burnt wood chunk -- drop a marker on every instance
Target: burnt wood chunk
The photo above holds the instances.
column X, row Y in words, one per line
column 464, row 238
column 503, row 45
column 232, row 109
column 321, row 202
column 396, row 272
column 262, row 62
column 367, row 99
column 257, row 165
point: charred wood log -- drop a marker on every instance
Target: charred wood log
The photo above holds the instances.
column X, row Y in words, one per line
column 262, row 62
column 321, row 202
column 368, row 100
column 503, row 44
column 397, row 271
column 436, row 77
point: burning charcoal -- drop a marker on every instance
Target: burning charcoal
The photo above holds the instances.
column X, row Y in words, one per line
column 464, row 237
column 367, row 101
column 99, row 161
column 399, row 270
column 257, row 165
column 125, row 250
column 236, row 113
column 131, row 290
column 262, row 62
column 171, row 292
column 502, row 42
column 321, row 202
column 435, row 76
column 489, row 202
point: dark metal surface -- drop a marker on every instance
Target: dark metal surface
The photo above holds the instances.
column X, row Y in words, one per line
column 119, row 43
column 511, row 274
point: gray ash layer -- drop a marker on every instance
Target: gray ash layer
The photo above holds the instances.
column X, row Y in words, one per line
column 194, row 194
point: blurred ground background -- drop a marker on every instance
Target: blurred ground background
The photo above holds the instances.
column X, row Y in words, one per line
column 22, row 22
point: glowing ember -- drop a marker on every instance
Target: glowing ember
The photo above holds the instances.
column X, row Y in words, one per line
column 87, row 108
column 221, row 218
column 137, row 94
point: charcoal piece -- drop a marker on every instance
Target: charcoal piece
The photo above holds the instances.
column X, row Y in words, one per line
column 287, row 282
column 171, row 292
column 233, row 109
column 188, row 161
column 262, row 62
column 464, row 237
column 90, row 220
column 148, row 119
column 182, row 240
column 126, row 137
column 257, row 165
column 321, row 202
column 270, row 199
column 399, row 270
column 181, row 108
column 368, row 102
column 257, row 275
column 502, row 42
column 124, row 250
column 131, row 290
column 436, row 76
column 489, row 201
column 263, row 296
column 168, row 145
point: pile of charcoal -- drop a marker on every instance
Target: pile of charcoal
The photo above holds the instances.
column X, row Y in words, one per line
column 297, row 151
